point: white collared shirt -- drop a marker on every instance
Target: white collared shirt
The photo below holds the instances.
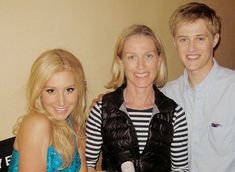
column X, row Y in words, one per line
column 210, row 112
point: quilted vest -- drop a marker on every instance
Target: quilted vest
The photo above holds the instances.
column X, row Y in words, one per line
column 120, row 142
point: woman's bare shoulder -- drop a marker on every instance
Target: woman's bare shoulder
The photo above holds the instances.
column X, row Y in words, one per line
column 37, row 127
column 36, row 121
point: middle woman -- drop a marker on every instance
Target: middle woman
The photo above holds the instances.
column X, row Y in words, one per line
column 136, row 126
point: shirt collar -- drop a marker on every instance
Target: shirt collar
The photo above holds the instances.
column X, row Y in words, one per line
column 123, row 108
column 207, row 82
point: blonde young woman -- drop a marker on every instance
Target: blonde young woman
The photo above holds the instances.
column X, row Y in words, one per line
column 50, row 137
column 137, row 127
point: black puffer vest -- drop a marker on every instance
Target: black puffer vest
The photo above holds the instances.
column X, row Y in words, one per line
column 120, row 141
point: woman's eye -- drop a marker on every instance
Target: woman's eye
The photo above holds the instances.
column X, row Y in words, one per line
column 50, row 91
column 149, row 56
column 183, row 40
column 131, row 57
column 70, row 89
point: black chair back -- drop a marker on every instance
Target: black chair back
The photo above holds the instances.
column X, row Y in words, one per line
column 6, row 148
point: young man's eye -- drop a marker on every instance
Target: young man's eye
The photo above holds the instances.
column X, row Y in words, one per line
column 201, row 38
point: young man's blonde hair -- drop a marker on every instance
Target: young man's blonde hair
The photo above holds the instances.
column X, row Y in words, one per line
column 118, row 75
column 48, row 63
column 190, row 12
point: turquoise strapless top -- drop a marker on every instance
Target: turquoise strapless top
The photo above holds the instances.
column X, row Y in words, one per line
column 54, row 161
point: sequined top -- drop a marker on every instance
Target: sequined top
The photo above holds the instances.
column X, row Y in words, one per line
column 54, row 161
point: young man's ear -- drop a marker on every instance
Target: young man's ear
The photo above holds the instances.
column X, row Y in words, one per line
column 216, row 39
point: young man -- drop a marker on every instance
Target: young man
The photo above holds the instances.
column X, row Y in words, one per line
column 206, row 90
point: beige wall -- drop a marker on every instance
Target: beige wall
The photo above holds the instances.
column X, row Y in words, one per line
column 225, row 54
column 87, row 28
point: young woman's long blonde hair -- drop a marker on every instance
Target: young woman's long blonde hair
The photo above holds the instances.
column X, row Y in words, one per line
column 48, row 63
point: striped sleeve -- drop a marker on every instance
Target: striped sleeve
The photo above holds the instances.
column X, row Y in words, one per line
column 179, row 146
column 93, row 136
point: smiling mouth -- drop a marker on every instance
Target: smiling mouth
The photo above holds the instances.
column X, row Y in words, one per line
column 60, row 110
column 192, row 56
column 141, row 75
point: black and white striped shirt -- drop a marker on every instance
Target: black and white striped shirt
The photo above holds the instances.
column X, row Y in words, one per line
column 141, row 120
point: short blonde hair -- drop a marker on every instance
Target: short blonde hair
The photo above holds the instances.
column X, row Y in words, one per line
column 190, row 12
column 48, row 63
column 118, row 76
